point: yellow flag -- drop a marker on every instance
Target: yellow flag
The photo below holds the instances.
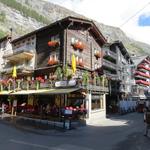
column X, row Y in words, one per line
column 14, row 73
column 73, row 63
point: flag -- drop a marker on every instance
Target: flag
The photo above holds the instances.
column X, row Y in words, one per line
column 14, row 73
column 73, row 63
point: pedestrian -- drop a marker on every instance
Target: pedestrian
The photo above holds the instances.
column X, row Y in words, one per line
column 147, row 120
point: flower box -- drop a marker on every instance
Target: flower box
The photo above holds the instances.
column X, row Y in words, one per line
column 53, row 60
column 97, row 54
column 78, row 45
column 53, row 43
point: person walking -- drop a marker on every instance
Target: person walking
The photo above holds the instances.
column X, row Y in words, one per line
column 147, row 120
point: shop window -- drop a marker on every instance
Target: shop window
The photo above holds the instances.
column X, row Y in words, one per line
column 97, row 102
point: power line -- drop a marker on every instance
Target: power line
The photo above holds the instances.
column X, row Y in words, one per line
column 134, row 14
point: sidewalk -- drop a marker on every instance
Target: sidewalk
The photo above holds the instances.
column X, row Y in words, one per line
column 37, row 125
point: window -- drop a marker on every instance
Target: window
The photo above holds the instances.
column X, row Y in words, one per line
column 97, row 102
column 55, row 37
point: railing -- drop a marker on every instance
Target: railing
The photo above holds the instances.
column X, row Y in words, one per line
column 18, row 67
column 110, row 53
column 21, row 84
column 112, row 76
column 109, row 64
column 94, row 88
column 21, row 49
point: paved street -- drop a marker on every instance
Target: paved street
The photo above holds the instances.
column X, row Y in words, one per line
column 116, row 133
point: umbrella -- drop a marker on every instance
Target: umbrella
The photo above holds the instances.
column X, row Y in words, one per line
column 14, row 73
column 73, row 63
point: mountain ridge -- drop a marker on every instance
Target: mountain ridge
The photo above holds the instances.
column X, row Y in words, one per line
column 22, row 22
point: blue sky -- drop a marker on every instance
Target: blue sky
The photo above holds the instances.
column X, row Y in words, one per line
column 144, row 20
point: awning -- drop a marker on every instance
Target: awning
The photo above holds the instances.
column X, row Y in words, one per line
column 59, row 91
column 43, row 91
column 27, row 92
column 4, row 92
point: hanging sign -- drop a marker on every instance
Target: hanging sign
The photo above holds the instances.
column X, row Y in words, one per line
column 69, row 83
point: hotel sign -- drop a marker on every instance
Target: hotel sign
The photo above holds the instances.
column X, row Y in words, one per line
column 69, row 83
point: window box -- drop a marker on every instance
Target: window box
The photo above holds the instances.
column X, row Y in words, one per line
column 53, row 43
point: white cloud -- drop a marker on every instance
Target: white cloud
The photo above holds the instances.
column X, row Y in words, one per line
column 114, row 13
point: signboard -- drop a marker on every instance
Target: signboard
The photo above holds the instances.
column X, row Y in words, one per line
column 69, row 83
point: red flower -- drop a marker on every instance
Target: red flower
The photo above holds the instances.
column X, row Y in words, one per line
column 53, row 43
column 40, row 79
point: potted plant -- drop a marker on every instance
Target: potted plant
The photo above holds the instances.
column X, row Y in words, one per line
column 85, row 78
column 38, row 81
column 53, row 43
column 97, row 54
column 55, row 60
column 58, row 73
column 51, row 60
column 78, row 45
column 10, row 83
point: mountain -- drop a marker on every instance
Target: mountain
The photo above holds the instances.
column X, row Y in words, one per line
column 24, row 16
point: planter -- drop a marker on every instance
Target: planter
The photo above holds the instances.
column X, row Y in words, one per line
column 53, row 43
column 97, row 54
column 53, row 60
column 78, row 45
column 37, row 85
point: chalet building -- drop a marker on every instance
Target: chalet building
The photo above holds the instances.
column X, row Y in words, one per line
column 59, row 69
column 118, row 67
column 4, row 44
column 142, row 78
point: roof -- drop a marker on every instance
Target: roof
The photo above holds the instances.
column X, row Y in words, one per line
column 123, row 50
column 138, row 59
column 93, row 28
column 4, row 38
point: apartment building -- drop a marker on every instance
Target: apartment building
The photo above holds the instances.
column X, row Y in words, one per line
column 142, row 79
column 118, row 67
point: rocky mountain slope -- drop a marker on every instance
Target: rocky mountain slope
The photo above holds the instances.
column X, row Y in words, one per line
column 24, row 16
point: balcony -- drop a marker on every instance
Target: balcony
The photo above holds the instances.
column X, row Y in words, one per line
column 142, row 82
column 143, row 68
column 21, row 53
column 109, row 64
column 141, row 74
column 111, row 54
column 111, row 76
column 95, row 88
column 21, row 68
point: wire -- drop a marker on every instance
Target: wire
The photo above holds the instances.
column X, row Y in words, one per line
column 134, row 15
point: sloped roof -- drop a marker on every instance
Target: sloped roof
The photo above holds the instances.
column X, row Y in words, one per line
column 93, row 28
column 138, row 59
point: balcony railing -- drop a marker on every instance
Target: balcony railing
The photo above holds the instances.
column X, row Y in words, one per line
column 143, row 67
column 22, row 67
column 21, row 49
column 112, row 76
column 138, row 73
column 95, row 88
column 48, row 84
column 110, row 53
column 109, row 64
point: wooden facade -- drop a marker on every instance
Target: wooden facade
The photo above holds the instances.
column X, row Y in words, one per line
column 55, row 45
